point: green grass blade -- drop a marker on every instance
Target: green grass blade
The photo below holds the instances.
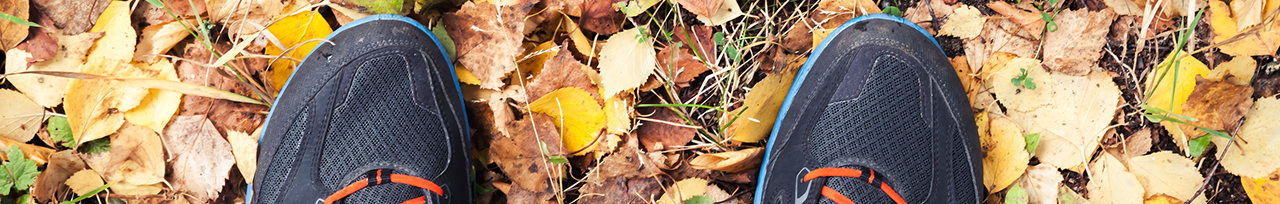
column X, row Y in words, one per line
column 15, row 19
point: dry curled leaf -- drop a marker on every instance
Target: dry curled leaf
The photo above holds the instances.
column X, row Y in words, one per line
column 626, row 176
column 201, row 158
column 51, row 182
column 1077, row 44
column 488, row 39
column 734, row 161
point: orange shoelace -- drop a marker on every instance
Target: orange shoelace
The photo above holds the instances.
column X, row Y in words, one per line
column 852, row 173
column 385, row 176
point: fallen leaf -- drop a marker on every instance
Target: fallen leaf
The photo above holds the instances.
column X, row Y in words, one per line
column 84, row 181
column 136, row 159
column 200, row 171
column 734, row 161
column 627, row 162
column 293, row 39
column 1077, row 44
column 1005, row 156
column 728, row 11
column 158, row 39
column 1111, row 182
column 1000, row 35
column 380, row 7
column 1020, row 98
column 1240, row 68
column 39, row 43
column 679, row 66
column 601, row 17
column 760, row 109
column 832, row 13
column 1170, row 97
column 1216, row 105
column 965, row 23
column 72, row 16
column 1073, row 125
column 626, row 61
column 118, row 39
column 1041, row 182
column 95, row 108
column 684, row 189
column 1162, row 199
column 12, row 33
column 920, row 13
column 245, row 148
column 617, row 112
column 1030, row 20
column 578, row 116
column 620, row 189
column 1225, row 27
column 520, row 157
column 1124, row 7
column 560, row 70
column 633, row 8
column 225, row 114
column 701, row 7
column 1167, row 173
column 658, row 136
column 1247, row 13
column 45, row 90
column 488, row 39
column 968, row 78
column 52, row 181
column 568, row 7
column 1263, row 189
column 1016, row 195
column 20, row 118
column 1254, row 154
column 155, row 110
column 244, row 17
column 533, row 60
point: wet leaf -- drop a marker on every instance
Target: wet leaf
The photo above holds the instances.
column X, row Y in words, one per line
column 734, row 161
column 1005, row 157
column 488, row 39
column 578, row 116
column 201, row 159
column 683, row 190
column 49, row 91
column 20, row 118
column 966, row 23
column 1263, row 189
column 1077, row 44
column 155, row 110
column 1167, row 173
column 1254, row 153
column 626, row 61
column 1113, row 183
column 294, row 32
column 760, row 109
column 84, row 181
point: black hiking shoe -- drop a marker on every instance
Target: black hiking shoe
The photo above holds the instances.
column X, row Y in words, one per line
column 373, row 117
column 876, row 115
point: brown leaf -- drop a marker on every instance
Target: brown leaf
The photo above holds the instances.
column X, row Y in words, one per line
column 488, row 43
column 1077, row 44
column 627, row 162
column 568, row 7
column 920, row 13
column 832, row 13
column 700, row 37
column 226, row 115
column 72, row 16
column 559, row 72
column 137, row 157
column 1000, row 35
column 201, row 158
column 1028, row 19
column 600, row 17
column 1217, row 105
column 734, row 161
column 701, row 7
column 521, row 157
column 40, row 43
column 657, row 136
column 685, row 67
column 620, row 190
column 1255, row 155
column 49, row 184
column 241, row 17
column 182, row 8
column 12, row 33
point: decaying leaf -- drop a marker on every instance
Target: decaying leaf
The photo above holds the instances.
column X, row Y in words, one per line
column 966, row 23
column 95, row 108
column 488, row 39
column 136, row 160
column 12, row 33
column 294, row 37
column 1263, row 190
column 51, row 181
column 1225, row 27
column 679, row 65
column 626, row 176
column 155, row 110
column 601, row 17
column 999, row 35
column 1041, row 182
column 521, row 157
column 734, row 161
column 201, row 159
column 617, row 112
column 158, row 39
column 657, row 136
column 831, row 13
column 1258, row 156
column 1005, row 156
column 20, row 118
column 84, row 181
column 626, row 61
column 1167, row 173
column 245, row 17
column 1240, row 70
column 684, row 189
column 760, row 109
column 1169, row 96
column 1071, row 127
column 225, row 114
column 578, row 116
column 558, row 72
column 245, row 148
column 1030, row 20
column 728, row 10
column 72, row 16
column 1216, row 106
column 118, row 39
column 1112, row 182
column 46, row 90
column 701, row 7
column 1077, row 44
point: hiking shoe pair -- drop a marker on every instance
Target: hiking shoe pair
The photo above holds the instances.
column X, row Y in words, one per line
column 876, row 115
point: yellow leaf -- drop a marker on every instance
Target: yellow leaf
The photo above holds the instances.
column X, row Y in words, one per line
column 1170, row 97
column 119, row 39
column 1041, row 182
column 158, row 106
column 577, row 115
column 1167, row 173
column 618, row 112
column 1113, row 183
column 84, row 181
column 465, row 76
column 530, row 64
column 292, row 31
column 95, row 108
column 20, row 118
column 245, row 148
column 684, row 189
column 1255, row 154
column 44, row 90
column 1006, row 155
column 762, row 104
column 158, row 39
column 1264, row 189
column 626, row 61
column 728, row 11
column 1240, row 67
column 1021, row 98
column 137, row 158
column 1162, row 199
column 966, row 22
column 734, row 161
column 1224, row 27
column 819, row 34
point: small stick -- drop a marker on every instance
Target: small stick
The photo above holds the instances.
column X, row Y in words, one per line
column 1216, row 164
